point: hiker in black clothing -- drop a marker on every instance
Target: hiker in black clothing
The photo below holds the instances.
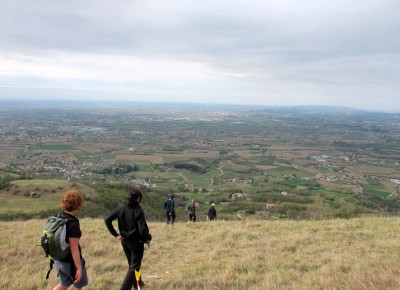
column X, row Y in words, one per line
column 133, row 233
column 212, row 213
column 192, row 211
column 71, row 270
column 169, row 206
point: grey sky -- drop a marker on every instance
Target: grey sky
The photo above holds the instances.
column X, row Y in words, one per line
column 287, row 52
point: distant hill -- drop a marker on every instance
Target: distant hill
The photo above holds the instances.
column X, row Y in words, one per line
column 316, row 109
column 80, row 104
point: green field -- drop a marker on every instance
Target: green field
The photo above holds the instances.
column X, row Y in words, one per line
column 52, row 147
column 378, row 192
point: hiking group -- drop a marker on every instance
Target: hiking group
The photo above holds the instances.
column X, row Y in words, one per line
column 62, row 232
column 211, row 215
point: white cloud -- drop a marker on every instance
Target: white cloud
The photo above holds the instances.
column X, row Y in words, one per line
column 261, row 52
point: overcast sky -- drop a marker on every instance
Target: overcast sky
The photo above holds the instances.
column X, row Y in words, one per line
column 267, row 52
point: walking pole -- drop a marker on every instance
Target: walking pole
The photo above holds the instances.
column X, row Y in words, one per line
column 137, row 275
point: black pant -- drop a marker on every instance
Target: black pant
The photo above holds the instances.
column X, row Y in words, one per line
column 192, row 217
column 170, row 215
column 134, row 254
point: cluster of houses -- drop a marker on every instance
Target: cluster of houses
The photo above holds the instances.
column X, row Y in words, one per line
column 34, row 139
column 46, row 164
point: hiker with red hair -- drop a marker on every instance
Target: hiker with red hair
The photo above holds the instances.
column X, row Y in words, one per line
column 71, row 270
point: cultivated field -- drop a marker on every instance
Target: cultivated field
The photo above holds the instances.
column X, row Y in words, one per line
column 7, row 153
column 357, row 254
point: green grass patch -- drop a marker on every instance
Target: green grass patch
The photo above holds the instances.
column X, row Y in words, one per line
column 266, row 162
column 378, row 192
column 375, row 187
column 52, row 147
column 323, row 169
column 351, row 199
column 283, row 169
column 295, row 182
column 88, row 157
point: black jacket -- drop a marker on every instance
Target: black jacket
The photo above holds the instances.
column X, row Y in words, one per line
column 192, row 208
column 132, row 224
column 212, row 213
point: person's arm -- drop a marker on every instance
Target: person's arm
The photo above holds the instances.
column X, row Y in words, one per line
column 108, row 221
column 74, row 246
column 142, row 226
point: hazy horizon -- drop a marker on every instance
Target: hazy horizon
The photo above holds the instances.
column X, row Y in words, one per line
column 161, row 104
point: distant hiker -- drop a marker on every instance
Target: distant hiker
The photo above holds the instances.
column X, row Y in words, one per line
column 169, row 206
column 71, row 270
column 133, row 234
column 212, row 213
column 192, row 211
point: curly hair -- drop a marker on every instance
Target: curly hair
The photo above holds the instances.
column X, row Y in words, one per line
column 71, row 200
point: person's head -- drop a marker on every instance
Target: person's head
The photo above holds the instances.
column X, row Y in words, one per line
column 213, row 204
column 193, row 201
column 133, row 195
column 71, row 201
column 172, row 196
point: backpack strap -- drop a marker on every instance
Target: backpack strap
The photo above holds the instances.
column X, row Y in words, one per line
column 67, row 219
column 51, row 268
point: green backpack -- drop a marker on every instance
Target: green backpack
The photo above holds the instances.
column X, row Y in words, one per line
column 53, row 239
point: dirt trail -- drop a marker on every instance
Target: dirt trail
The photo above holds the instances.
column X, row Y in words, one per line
column 222, row 173
column 182, row 176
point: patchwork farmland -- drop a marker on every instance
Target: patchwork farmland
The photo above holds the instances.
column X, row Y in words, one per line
column 304, row 160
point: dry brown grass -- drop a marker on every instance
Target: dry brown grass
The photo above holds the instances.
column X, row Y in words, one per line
column 336, row 254
column 373, row 169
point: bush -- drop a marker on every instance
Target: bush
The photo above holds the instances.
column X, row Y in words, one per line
column 291, row 208
column 4, row 184
column 250, row 211
column 190, row 167
column 347, row 211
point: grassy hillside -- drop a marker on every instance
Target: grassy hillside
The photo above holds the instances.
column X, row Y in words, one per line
column 360, row 253
column 101, row 197
column 15, row 203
